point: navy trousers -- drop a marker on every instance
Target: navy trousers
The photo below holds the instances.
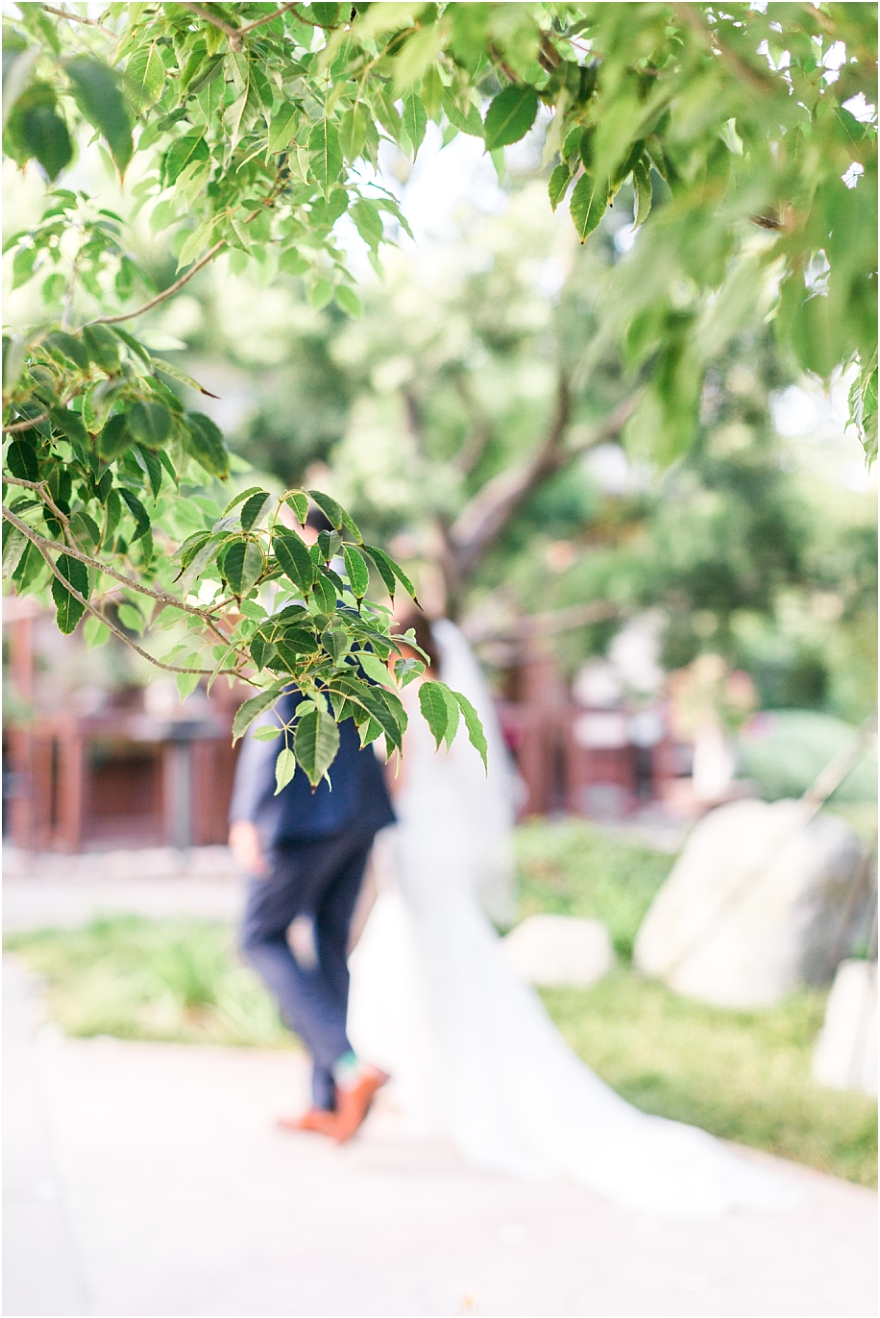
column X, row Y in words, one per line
column 320, row 880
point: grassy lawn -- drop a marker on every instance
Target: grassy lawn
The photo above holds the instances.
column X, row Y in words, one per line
column 175, row 980
column 744, row 1076
column 571, row 867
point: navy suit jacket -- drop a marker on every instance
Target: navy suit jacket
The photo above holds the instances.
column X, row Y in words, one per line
column 357, row 801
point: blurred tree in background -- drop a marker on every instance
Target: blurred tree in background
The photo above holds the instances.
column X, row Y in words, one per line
column 741, row 146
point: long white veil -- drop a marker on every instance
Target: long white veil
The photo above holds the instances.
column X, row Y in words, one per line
column 489, row 797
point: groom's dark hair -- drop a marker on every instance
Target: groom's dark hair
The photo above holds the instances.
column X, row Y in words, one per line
column 415, row 619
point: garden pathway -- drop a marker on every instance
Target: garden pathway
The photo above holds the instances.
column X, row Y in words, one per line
column 149, row 1179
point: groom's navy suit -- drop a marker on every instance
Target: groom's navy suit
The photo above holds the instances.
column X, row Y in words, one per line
column 316, row 845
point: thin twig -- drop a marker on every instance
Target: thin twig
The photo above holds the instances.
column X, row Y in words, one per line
column 77, row 18
column 25, row 425
column 233, row 33
column 168, row 292
column 41, row 488
column 104, row 568
column 95, row 612
column 690, row 15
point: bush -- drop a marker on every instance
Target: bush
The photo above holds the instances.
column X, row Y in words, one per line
column 572, row 867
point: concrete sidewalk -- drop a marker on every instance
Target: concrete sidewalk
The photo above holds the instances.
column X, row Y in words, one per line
column 149, row 1179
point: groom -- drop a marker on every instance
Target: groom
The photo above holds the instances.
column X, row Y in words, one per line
column 305, row 853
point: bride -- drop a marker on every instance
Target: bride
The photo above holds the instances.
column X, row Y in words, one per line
column 473, row 1053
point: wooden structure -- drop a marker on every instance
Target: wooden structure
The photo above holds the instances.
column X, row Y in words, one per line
column 117, row 777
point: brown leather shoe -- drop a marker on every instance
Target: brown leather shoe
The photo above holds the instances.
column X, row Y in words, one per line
column 352, row 1105
column 313, row 1119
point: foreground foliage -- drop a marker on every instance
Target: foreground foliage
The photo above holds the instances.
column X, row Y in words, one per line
column 254, row 129
column 742, row 1075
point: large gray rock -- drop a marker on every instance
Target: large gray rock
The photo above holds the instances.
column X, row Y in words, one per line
column 758, row 904
column 558, row 950
column 846, row 1050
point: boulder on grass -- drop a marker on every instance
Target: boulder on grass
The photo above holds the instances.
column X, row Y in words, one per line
column 846, row 1050
column 759, row 903
column 554, row 951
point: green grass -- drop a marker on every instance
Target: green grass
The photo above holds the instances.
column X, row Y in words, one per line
column 174, row 980
column 744, row 1076
column 571, row 867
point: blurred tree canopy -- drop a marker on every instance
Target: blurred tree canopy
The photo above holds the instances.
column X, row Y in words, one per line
column 742, row 136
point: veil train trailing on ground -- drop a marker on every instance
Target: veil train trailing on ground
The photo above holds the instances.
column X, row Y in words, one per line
column 474, row 1054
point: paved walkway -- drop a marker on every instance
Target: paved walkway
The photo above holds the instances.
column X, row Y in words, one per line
column 149, row 1179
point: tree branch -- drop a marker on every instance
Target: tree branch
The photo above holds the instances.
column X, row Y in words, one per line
column 168, row 292
column 25, row 425
column 162, row 598
column 483, row 519
column 41, row 545
column 690, row 15
column 77, row 18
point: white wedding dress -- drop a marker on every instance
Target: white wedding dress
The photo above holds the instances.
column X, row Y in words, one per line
column 473, row 1054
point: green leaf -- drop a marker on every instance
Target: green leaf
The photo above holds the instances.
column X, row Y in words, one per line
column 138, row 511
column 98, row 95
column 471, row 123
column 587, row 205
column 374, row 668
column 325, row 154
column 324, row 592
column 36, row 129
column 316, row 743
column 388, row 570
column 95, row 632
column 149, row 423
column 186, row 684
column 474, row 726
column 243, row 566
column 205, row 442
column 183, row 152
column 168, row 368
column 69, row 610
column 102, row 347
column 282, row 129
column 154, row 469
column 643, row 191
column 335, row 513
column 131, row 618
column 144, row 78
column 14, row 545
column 415, row 120
column 115, row 437
column 21, row 459
column 285, row 767
column 353, row 132
column 407, row 670
column 559, row 180
column 253, row 708
column 294, row 559
column 70, row 424
column 299, row 505
column 245, row 494
column 67, row 345
column 435, row 709
column 255, row 508
column 510, row 116
column 267, row 733
column 453, row 714
column 368, row 221
column 358, row 572
column 349, row 301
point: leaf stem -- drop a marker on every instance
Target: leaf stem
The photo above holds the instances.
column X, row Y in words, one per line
column 165, row 294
